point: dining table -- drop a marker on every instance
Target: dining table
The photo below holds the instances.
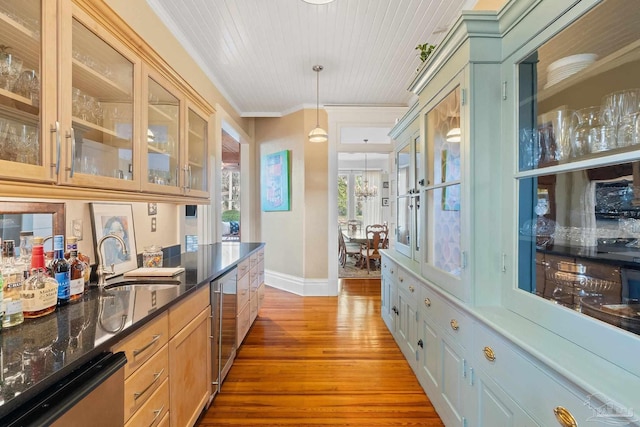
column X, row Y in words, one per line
column 355, row 236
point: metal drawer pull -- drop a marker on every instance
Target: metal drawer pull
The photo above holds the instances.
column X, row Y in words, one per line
column 489, row 354
column 401, row 280
column 412, row 289
column 454, row 324
column 156, row 376
column 152, row 342
column 157, row 412
column 564, row 417
column 427, row 302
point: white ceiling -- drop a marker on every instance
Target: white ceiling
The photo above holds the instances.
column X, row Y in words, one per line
column 260, row 53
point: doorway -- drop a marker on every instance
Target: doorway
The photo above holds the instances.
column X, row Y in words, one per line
column 363, row 199
column 230, row 183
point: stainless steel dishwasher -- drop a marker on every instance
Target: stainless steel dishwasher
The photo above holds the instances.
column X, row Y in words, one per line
column 223, row 327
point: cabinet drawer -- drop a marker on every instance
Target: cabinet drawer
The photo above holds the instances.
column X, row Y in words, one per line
column 243, row 267
column 243, row 291
column 243, row 324
column 261, row 255
column 143, row 344
column 253, row 304
column 409, row 284
column 154, row 409
column 455, row 323
column 143, row 382
column 254, row 259
column 261, row 292
column 183, row 313
column 389, row 268
column 529, row 385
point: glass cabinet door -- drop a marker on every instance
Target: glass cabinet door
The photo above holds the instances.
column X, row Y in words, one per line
column 100, row 144
column 443, row 250
column 196, row 169
column 578, row 178
column 409, row 168
column 403, row 182
column 25, row 146
column 163, row 160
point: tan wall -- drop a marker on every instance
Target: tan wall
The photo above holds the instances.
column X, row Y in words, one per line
column 146, row 23
column 489, row 4
column 297, row 239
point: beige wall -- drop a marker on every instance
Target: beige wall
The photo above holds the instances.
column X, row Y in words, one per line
column 297, row 240
column 489, row 4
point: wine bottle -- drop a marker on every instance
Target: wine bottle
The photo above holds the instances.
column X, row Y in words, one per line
column 60, row 270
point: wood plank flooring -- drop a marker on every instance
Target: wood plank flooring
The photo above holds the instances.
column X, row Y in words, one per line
column 321, row 361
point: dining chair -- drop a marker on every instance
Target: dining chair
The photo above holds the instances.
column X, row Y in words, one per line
column 377, row 238
column 346, row 250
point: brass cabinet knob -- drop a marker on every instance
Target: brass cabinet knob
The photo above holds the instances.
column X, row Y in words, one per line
column 454, row 324
column 427, row 302
column 564, row 417
column 489, row 354
column 401, row 280
column 412, row 289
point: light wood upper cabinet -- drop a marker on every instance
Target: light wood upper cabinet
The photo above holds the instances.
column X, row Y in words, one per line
column 98, row 106
column 27, row 94
column 86, row 105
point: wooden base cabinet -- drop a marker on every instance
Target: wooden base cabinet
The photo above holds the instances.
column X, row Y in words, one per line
column 189, row 379
column 190, row 358
column 146, row 372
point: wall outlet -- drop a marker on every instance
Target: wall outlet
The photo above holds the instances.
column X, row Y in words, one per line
column 76, row 228
column 153, row 225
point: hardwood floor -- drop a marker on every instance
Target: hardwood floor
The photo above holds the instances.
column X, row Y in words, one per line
column 321, row 361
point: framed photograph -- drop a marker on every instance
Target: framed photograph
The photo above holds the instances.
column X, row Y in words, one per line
column 152, row 209
column 274, row 182
column 385, row 201
column 117, row 219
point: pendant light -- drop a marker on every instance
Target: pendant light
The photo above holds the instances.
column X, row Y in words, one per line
column 318, row 134
column 364, row 191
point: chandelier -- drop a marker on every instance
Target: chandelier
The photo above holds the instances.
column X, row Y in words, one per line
column 365, row 191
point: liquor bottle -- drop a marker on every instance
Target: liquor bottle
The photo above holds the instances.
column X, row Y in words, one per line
column 13, row 277
column 39, row 291
column 76, row 270
column 26, row 247
column 60, row 270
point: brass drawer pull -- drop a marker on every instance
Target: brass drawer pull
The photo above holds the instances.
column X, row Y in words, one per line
column 427, row 302
column 156, row 376
column 454, row 324
column 412, row 289
column 152, row 342
column 401, row 280
column 157, row 413
column 564, row 417
column 489, row 354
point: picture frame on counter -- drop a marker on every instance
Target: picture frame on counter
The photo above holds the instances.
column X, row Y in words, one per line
column 114, row 218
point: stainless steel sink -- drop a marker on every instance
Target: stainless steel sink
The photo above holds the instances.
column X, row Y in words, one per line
column 150, row 282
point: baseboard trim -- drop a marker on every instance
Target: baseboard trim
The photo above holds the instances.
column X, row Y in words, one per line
column 298, row 285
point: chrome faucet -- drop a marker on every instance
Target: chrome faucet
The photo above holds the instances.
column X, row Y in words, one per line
column 102, row 271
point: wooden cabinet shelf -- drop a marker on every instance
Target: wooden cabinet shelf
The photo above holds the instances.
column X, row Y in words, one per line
column 105, row 89
column 23, row 42
column 627, row 54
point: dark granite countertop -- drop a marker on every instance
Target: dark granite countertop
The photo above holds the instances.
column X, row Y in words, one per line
column 41, row 352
